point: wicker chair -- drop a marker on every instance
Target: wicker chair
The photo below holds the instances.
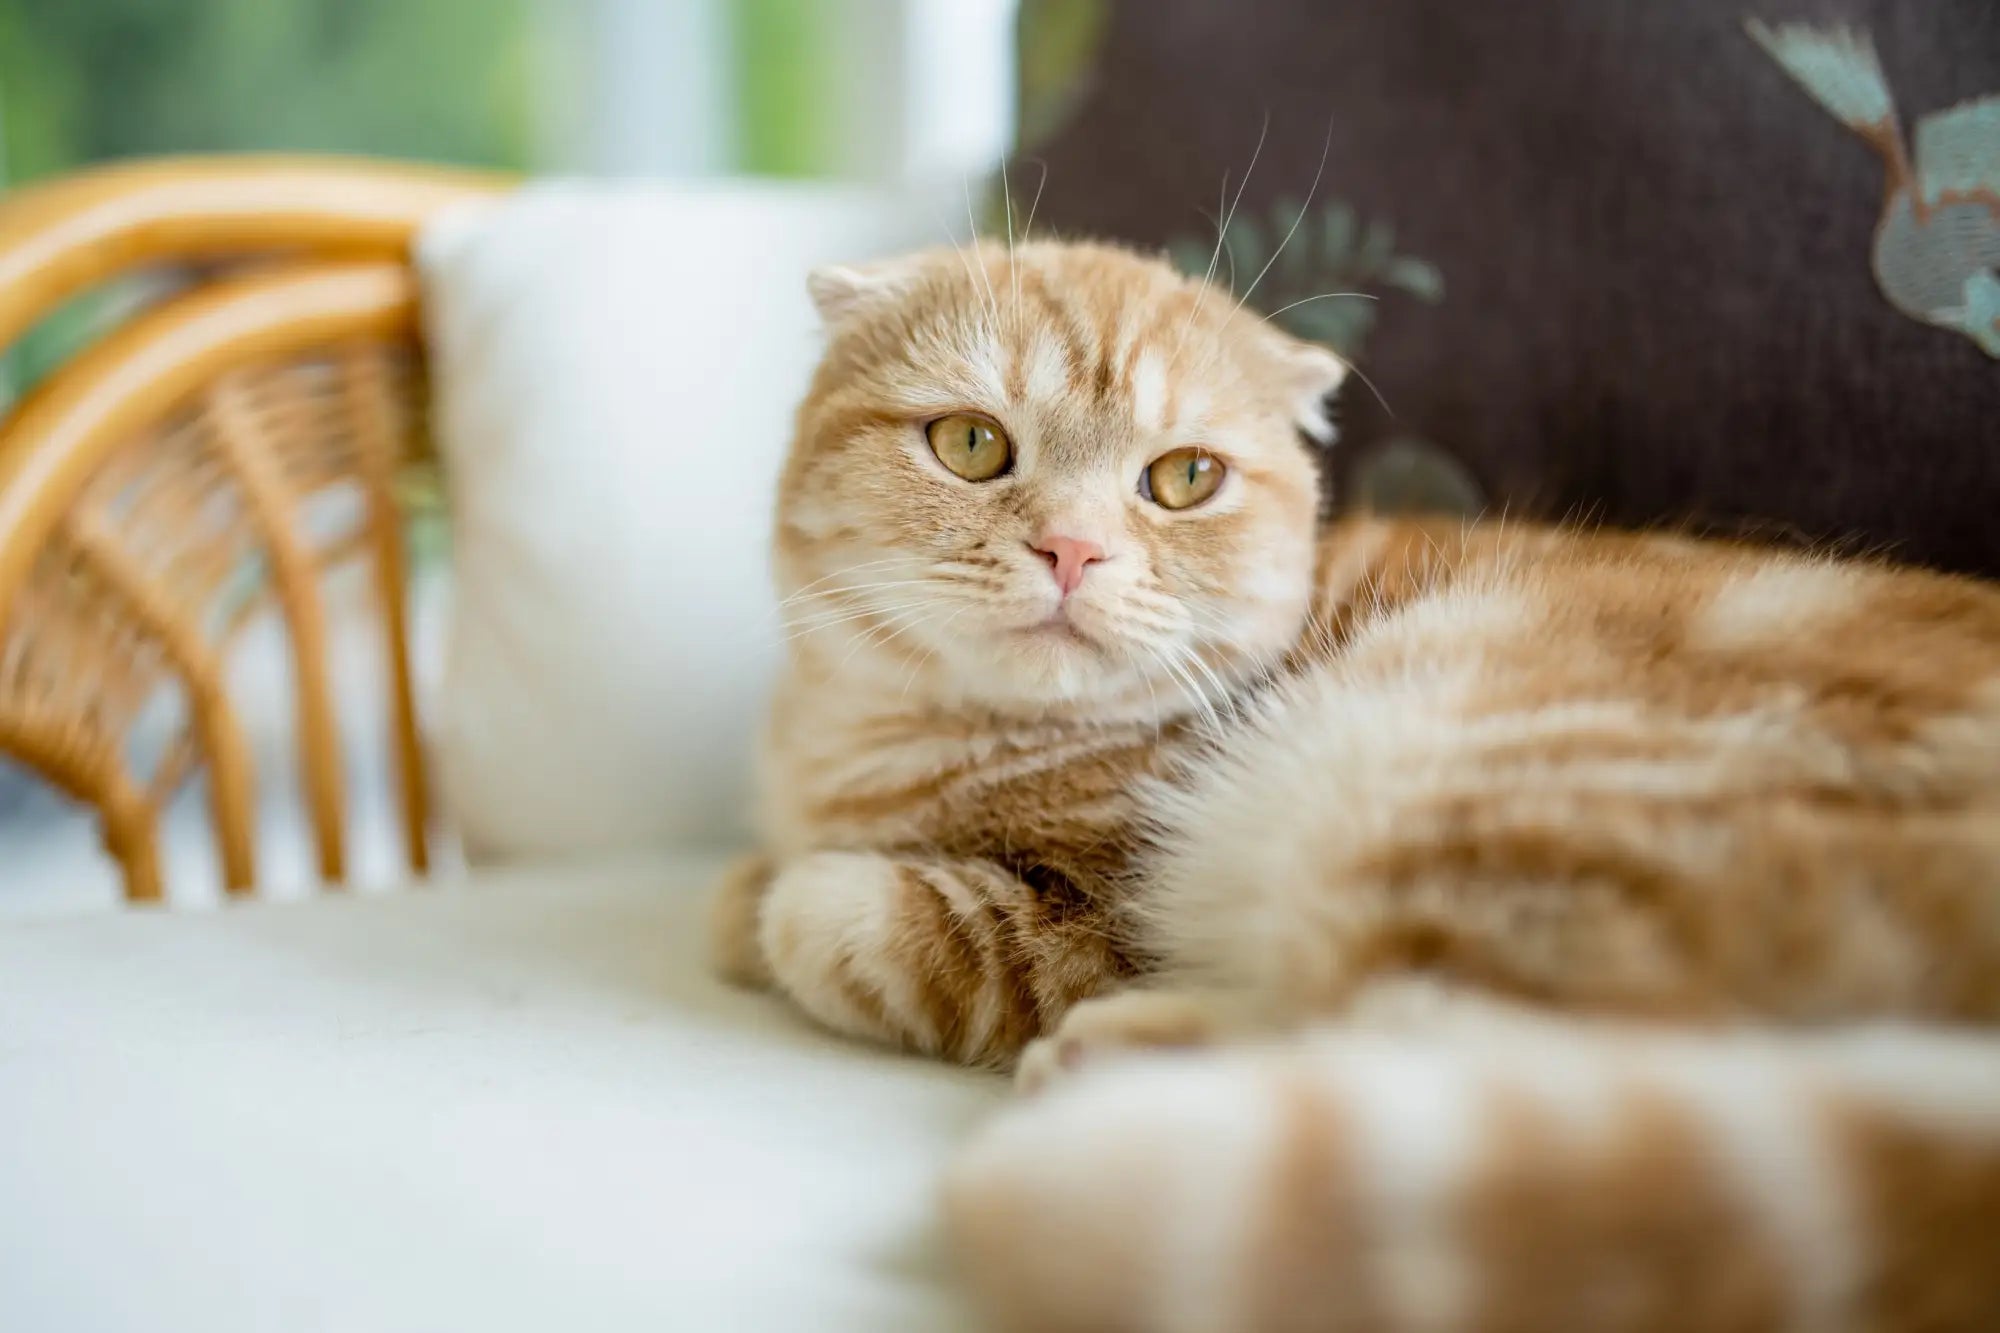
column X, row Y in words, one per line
column 209, row 459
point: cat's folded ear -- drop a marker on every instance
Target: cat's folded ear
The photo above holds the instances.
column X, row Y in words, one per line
column 1312, row 374
column 841, row 291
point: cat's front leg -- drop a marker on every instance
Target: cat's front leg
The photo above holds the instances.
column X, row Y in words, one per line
column 957, row 958
column 733, row 919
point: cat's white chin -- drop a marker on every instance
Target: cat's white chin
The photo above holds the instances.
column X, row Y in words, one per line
column 1058, row 631
column 1058, row 650
column 1041, row 665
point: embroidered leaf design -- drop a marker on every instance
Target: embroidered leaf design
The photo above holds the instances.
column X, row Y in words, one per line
column 1188, row 255
column 1408, row 475
column 1419, row 277
column 1245, row 248
column 1324, row 269
column 1338, row 230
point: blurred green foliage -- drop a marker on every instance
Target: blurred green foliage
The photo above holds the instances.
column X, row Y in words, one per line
column 85, row 80
column 82, row 80
column 1059, row 42
column 781, row 50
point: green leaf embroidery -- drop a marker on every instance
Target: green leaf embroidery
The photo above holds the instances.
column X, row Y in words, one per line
column 1323, row 283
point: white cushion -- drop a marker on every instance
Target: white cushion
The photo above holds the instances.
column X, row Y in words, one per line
column 518, row 1103
column 615, row 370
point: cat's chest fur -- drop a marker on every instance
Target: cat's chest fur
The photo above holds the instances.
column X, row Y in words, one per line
column 848, row 769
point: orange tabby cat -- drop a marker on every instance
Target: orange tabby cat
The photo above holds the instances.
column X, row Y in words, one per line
column 1534, row 875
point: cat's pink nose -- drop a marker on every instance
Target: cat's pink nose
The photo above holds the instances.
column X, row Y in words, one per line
column 1068, row 557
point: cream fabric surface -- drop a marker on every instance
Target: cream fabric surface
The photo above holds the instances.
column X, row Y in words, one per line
column 515, row 1101
column 615, row 368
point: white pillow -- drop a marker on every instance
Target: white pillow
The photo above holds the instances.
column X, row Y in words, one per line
column 615, row 369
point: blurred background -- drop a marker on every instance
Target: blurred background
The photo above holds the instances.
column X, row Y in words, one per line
column 842, row 89
column 654, row 87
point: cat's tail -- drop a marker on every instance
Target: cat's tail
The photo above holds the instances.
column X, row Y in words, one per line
column 1580, row 1182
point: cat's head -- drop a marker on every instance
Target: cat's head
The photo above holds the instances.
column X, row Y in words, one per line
column 1068, row 475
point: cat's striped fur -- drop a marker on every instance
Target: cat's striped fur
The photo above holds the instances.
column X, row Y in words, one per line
column 1543, row 875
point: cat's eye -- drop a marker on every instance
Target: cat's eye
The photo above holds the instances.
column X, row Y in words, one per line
column 1182, row 479
column 972, row 447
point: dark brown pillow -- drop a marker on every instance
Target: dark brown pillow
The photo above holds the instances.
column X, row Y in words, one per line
column 1637, row 270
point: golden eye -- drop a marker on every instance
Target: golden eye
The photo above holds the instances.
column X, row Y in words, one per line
column 1182, row 479
column 972, row 447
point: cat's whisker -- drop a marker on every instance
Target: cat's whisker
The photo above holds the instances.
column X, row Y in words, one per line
column 852, row 589
column 1326, row 146
column 1190, row 688
column 1152, row 697
column 992, row 301
column 1224, row 696
column 798, row 617
column 1211, row 724
column 829, row 619
column 930, row 652
column 844, row 572
column 858, row 608
column 1027, row 231
column 1211, row 659
column 1355, row 371
column 837, row 602
column 817, row 588
column 1181, row 682
column 1192, row 615
column 964, row 259
column 863, row 639
column 814, row 627
column 809, row 616
column 803, row 625
column 1013, row 269
column 1320, row 296
column 920, row 622
column 1221, row 234
column 895, row 622
column 1201, row 297
column 1243, row 300
column 1134, row 619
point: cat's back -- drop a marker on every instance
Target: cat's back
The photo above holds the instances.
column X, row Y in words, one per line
column 1642, row 771
column 1509, row 618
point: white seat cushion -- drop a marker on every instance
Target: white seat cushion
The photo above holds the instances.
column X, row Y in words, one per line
column 516, row 1102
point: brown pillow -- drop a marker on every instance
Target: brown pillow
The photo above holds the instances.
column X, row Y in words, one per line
column 1627, row 265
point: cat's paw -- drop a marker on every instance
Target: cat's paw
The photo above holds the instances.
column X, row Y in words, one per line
column 733, row 922
column 1128, row 1021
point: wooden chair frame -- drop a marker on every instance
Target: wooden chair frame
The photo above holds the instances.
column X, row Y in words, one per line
column 169, row 482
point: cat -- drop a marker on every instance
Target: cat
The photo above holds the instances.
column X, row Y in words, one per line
column 1408, row 924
